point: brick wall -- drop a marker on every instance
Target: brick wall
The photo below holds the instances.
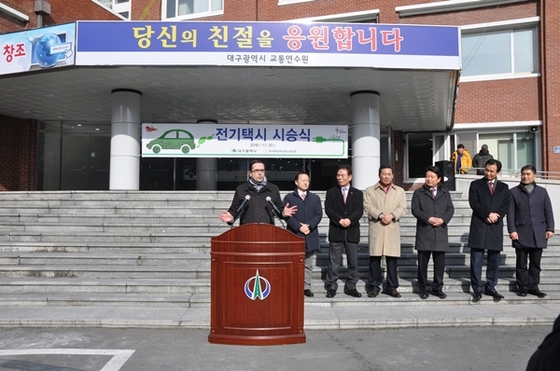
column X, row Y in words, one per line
column 61, row 12
column 550, row 55
column 18, row 161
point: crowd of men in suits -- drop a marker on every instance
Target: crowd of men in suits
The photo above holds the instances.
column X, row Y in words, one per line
column 530, row 224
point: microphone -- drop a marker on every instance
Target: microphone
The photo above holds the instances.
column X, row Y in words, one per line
column 276, row 211
column 247, row 198
column 241, row 209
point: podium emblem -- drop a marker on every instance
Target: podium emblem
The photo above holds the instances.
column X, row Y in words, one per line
column 260, row 289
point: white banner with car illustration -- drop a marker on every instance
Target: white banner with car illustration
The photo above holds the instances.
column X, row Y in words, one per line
column 244, row 141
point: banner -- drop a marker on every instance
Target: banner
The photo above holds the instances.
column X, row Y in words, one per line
column 38, row 49
column 244, row 141
column 268, row 44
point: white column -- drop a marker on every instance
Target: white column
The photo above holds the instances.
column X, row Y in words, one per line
column 366, row 133
column 206, row 169
column 125, row 140
column 206, row 174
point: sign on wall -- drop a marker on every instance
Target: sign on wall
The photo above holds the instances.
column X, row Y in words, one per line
column 244, row 141
column 268, row 44
column 37, row 49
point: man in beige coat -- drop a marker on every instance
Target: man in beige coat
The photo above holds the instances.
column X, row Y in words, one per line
column 385, row 205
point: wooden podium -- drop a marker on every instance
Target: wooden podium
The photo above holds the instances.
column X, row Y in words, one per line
column 257, row 278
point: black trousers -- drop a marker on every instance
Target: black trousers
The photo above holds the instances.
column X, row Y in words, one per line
column 439, row 265
column 528, row 279
column 492, row 266
column 375, row 278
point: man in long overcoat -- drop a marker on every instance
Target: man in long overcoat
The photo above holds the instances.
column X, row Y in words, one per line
column 305, row 221
column 530, row 225
column 489, row 201
column 433, row 209
column 385, row 205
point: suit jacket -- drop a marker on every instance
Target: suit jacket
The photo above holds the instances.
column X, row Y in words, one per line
column 530, row 215
column 310, row 212
column 423, row 205
column 336, row 209
column 481, row 234
column 257, row 209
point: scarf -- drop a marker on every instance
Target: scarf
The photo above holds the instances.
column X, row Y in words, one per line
column 258, row 186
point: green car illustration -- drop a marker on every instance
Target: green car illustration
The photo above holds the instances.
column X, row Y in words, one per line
column 173, row 139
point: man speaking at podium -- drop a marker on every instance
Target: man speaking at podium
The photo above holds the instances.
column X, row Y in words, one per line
column 257, row 200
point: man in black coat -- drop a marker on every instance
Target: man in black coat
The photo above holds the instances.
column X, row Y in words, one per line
column 304, row 223
column 530, row 224
column 489, row 201
column 256, row 208
column 344, row 205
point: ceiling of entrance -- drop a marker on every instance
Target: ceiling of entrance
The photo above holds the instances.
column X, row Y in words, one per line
column 411, row 101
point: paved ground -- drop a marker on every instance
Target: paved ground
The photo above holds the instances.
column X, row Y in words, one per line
column 434, row 349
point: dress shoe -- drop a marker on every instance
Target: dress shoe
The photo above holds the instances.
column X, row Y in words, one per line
column 424, row 295
column 373, row 293
column 308, row 293
column 353, row 293
column 476, row 296
column 522, row 293
column 494, row 294
column 331, row 293
column 440, row 294
column 538, row 293
column 393, row 292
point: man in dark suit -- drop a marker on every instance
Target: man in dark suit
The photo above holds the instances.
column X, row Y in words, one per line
column 256, row 208
column 304, row 222
column 344, row 207
column 489, row 201
column 530, row 225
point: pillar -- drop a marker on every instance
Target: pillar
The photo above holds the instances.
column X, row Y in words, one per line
column 206, row 169
column 366, row 134
column 124, row 173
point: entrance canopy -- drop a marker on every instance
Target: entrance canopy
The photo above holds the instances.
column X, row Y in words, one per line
column 233, row 72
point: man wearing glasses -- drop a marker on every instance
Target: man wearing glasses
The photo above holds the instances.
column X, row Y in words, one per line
column 257, row 200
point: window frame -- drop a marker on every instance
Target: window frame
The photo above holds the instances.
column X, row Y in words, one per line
column 510, row 26
column 210, row 13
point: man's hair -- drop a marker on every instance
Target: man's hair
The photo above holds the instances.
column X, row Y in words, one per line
column 348, row 168
column 384, row 167
column 256, row 162
column 460, row 146
column 300, row 173
column 434, row 169
column 493, row 161
column 529, row 167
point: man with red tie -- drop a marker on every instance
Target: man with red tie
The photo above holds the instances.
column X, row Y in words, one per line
column 489, row 201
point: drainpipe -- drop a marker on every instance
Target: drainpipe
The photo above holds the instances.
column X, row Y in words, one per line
column 41, row 8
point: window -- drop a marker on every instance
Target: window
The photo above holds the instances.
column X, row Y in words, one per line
column 514, row 150
column 512, row 51
column 180, row 8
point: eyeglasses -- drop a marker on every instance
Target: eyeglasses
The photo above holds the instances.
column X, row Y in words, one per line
column 257, row 171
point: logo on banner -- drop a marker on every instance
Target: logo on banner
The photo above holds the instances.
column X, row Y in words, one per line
column 260, row 287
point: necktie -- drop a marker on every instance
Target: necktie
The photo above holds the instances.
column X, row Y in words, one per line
column 491, row 184
column 303, row 196
column 344, row 194
column 433, row 193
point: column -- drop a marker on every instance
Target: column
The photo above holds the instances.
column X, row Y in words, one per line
column 366, row 133
column 206, row 169
column 124, row 173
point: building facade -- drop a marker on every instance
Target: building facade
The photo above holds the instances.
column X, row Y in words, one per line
column 505, row 98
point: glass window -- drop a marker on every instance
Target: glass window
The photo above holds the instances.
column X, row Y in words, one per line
column 502, row 52
column 177, row 8
column 514, row 150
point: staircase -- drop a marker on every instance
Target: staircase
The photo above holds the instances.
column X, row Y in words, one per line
column 152, row 249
